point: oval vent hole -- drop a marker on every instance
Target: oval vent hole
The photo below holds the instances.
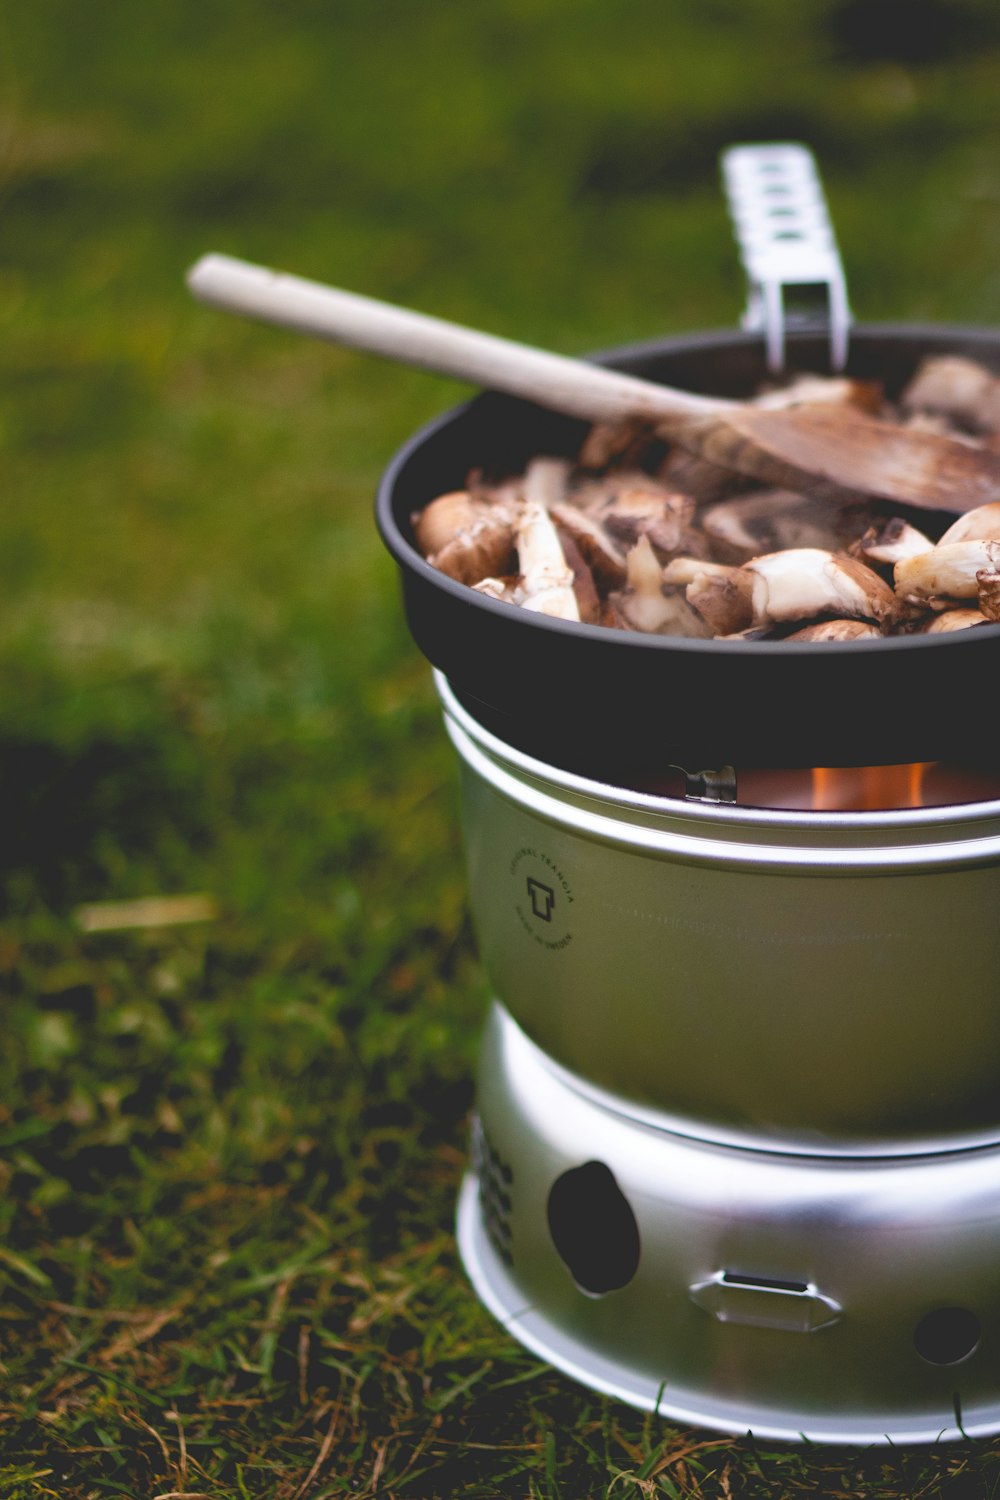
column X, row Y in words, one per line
column 593, row 1228
column 947, row 1335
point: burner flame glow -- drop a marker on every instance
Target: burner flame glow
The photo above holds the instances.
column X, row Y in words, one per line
column 868, row 788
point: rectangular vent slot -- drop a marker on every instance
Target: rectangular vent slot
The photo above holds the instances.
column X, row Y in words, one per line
column 764, row 1283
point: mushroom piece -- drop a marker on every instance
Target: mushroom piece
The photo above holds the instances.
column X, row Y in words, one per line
column 837, row 630
column 767, row 521
column 705, row 482
column 804, row 582
column 979, row 525
column 644, row 605
column 461, row 535
column 444, row 519
column 505, row 589
column 722, row 595
column 685, row 570
column 724, row 603
column 624, row 443
column 642, row 508
column 836, row 390
column 952, row 619
column 546, row 577
column 497, row 497
column 889, row 542
column 546, row 481
column 487, row 548
column 988, row 580
column 959, row 388
column 937, row 422
column 611, row 616
column 604, row 558
column 947, row 571
column 588, row 599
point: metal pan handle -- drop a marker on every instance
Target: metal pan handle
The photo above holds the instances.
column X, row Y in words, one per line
column 786, row 241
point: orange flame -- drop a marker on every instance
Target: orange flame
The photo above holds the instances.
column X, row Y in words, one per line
column 868, row 788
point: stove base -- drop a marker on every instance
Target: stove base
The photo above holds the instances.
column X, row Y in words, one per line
column 823, row 1300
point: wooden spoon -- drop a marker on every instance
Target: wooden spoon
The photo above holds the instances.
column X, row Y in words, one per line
column 820, row 448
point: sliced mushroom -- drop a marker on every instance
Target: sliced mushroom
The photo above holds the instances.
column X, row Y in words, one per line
column 952, row 619
column 601, row 554
column 804, row 582
column 988, row 580
column 625, row 443
column 646, row 509
column 484, row 550
column 598, row 495
column 767, row 521
column 546, row 577
column 685, row 570
column 644, row 605
column 444, row 519
column 947, row 571
column 890, row 541
column 611, row 616
column 546, row 481
column 836, row 630
column 465, row 537
column 706, row 483
column 979, row 525
column 725, row 603
column 937, row 422
column 588, row 599
column 720, row 593
column 960, row 388
column 836, row 390
column 505, row 589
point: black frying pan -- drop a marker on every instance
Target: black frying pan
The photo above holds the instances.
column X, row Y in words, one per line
column 613, row 702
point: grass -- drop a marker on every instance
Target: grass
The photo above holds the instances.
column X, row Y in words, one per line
column 230, row 1152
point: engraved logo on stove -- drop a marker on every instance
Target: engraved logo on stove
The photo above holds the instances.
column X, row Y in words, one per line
column 543, row 897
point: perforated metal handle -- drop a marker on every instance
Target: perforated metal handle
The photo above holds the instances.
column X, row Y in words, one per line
column 786, row 240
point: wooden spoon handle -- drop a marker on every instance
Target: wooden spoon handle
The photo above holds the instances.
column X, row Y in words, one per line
column 567, row 385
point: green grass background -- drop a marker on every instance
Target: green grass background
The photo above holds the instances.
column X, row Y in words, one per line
column 230, row 1152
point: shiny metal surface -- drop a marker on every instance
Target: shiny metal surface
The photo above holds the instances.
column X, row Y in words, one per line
column 787, row 1295
column 804, row 982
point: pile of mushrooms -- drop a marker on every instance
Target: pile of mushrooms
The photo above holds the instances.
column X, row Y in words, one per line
column 635, row 535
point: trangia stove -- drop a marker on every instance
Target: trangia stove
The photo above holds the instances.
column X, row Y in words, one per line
column 737, row 1155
